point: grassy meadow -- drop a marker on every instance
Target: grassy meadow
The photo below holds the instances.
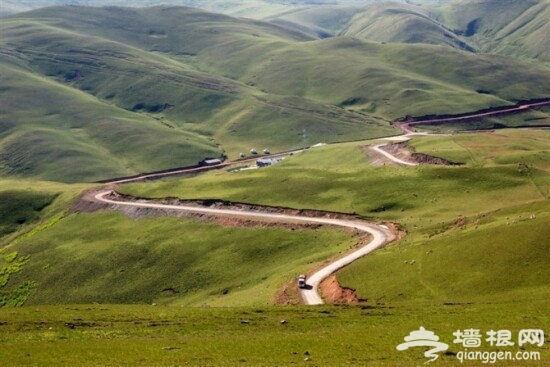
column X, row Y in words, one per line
column 89, row 335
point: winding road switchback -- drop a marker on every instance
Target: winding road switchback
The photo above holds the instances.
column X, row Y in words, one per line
column 381, row 234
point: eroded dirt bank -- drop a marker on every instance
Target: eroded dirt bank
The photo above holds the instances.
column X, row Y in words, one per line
column 88, row 203
column 405, row 152
column 333, row 292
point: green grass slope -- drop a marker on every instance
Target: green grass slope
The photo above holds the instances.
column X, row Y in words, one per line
column 153, row 85
column 395, row 80
column 401, row 23
column 500, row 256
column 492, row 254
column 18, row 207
column 514, row 28
column 55, row 132
column 26, row 207
column 51, row 255
column 242, row 8
column 281, row 62
column 109, row 258
column 497, row 201
column 149, row 89
column 322, row 21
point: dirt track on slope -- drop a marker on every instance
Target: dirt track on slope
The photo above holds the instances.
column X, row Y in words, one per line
column 407, row 153
column 407, row 122
column 381, row 234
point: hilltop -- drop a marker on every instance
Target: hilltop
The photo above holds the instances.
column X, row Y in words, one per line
column 402, row 23
column 510, row 28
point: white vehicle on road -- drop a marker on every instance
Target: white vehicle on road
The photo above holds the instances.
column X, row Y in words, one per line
column 302, row 281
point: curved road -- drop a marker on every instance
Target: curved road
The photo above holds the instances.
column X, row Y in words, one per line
column 474, row 115
column 391, row 157
column 381, row 235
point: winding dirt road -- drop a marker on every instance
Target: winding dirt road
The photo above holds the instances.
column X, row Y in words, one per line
column 378, row 149
column 381, row 234
column 523, row 107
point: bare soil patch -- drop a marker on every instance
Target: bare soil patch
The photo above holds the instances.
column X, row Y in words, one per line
column 405, row 152
column 288, row 294
column 333, row 292
column 375, row 158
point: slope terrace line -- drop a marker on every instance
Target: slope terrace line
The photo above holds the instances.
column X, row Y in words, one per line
column 381, row 234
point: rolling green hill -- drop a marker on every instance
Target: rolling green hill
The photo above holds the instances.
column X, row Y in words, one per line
column 401, row 23
column 474, row 255
column 92, row 93
column 117, row 87
column 243, row 8
column 513, row 28
column 181, row 262
column 54, row 132
column 188, row 84
column 18, row 207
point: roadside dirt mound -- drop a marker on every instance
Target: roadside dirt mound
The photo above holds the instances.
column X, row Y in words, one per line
column 333, row 292
column 405, row 152
column 288, row 295
column 88, row 203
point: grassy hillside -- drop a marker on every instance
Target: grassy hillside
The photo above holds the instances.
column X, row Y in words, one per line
column 401, row 23
column 323, row 21
column 167, row 260
column 497, row 253
column 527, row 147
column 19, row 207
column 344, row 181
column 187, row 84
column 244, row 8
column 533, row 118
column 52, row 131
column 50, row 255
column 494, row 256
column 178, row 261
column 180, row 114
column 288, row 66
column 514, row 28
column 496, row 203
column 26, row 208
column 474, row 256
